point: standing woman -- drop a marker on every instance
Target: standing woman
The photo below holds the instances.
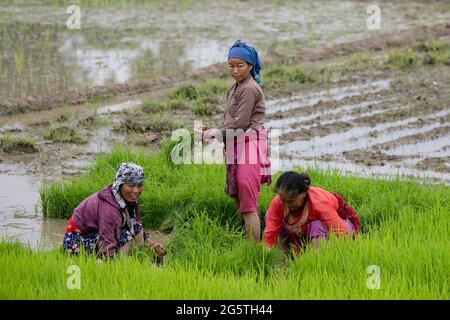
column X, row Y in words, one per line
column 245, row 137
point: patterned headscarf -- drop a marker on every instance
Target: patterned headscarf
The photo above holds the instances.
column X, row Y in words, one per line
column 247, row 53
column 129, row 173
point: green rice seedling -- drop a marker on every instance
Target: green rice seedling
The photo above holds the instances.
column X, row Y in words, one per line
column 19, row 143
column 410, row 250
column 404, row 236
column 359, row 60
column 94, row 120
column 151, row 105
column 202, row 186
column 65, row 133
column 434, row 45
column 296, row 74
column 185, row 92
column 212, row 88
column 204, row 96
column 203, row 109
column 65, row 114
column 210, row 260
column 401, row 59
column 436, row 52
column 156, row 122
column 437, row 58
column 220, row 247
column 177, row 104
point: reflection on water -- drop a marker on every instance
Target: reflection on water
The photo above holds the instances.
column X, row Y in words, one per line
column 300, row 101
column 41, row 60
column 20, row 214
column 374, row 172
column 133, row 40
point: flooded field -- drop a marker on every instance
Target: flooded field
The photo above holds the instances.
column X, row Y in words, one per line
column 370, row 128
column 21, row 216
column 359, row 108
column 123, row 41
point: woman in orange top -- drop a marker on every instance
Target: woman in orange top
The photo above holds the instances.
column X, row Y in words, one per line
column 300, row 212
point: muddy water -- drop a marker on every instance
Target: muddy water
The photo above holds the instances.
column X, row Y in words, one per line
column 39, row 55
column 300, row 101
column 21, row 216
column 382, row 133
column 120, row 106
column 128, row 40
column 387, row 171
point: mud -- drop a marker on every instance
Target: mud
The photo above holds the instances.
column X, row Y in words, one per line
column 376, row 121
column 95, row 93
column 438, row 164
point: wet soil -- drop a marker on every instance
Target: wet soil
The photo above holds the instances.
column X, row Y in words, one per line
column 373, row 121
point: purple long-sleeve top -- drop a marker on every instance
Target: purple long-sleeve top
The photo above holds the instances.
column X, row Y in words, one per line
column 100, row 213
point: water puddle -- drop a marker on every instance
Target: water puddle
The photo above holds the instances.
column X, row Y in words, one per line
column 352, row 139
column 431, row 148
column 21, row 216
column 281, row 123
column 360, row 137
column 387, row 171
column 100, row 142
column 119, row 107
column 117, row 64
column 73, row 167
column 336, row 94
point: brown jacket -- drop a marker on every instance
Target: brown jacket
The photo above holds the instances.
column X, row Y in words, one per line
column 245, row 107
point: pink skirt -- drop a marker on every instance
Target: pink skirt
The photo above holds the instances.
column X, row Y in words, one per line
column 248, row 166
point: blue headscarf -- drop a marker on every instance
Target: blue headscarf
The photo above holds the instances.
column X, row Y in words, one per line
column 245, row 52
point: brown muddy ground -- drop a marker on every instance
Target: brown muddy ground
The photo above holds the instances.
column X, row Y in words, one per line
column 124, row 43
column 374, row 120
column 366, row 117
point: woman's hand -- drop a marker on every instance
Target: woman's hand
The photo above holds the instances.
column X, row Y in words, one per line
column 296, row 228
column 200, row 129
column 159, row 249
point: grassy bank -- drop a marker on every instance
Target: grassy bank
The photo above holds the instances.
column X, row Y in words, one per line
column 405, row 235
column 211, row 262
column 172, row 191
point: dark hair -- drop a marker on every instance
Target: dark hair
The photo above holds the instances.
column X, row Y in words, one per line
column 293, row 183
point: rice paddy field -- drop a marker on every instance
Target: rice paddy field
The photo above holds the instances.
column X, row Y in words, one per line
column 365, row 112
column 404, row 237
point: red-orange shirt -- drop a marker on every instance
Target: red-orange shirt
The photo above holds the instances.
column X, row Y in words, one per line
column 321, row 205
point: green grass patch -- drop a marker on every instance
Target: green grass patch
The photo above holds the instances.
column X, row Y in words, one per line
column 404, row 233
column 402, row 58
column 296, row 74
column 152, row 105
column 209, row 90
column 170, row 190
column 434, row 45
column 158, row 105
column 94, row 120
column 359, row 60
column 18, row 143
column 204, row 97
column 143, row 122
column 436, row 52
column 65, row 133
column 203, row 109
